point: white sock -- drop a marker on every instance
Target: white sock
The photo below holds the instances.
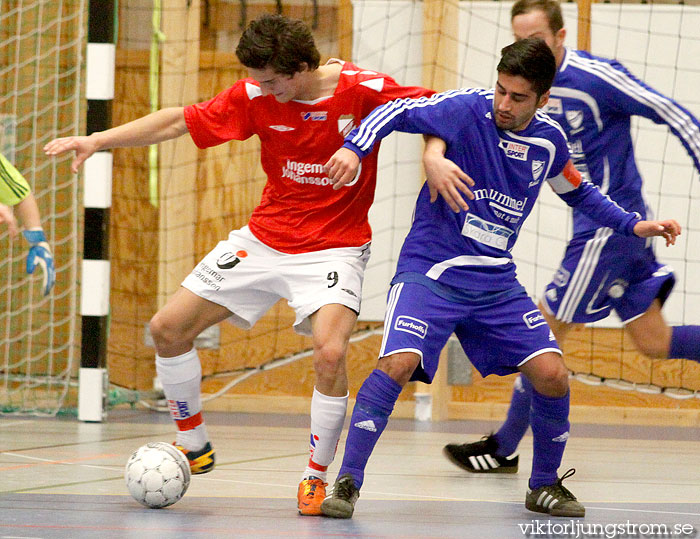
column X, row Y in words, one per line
column 327, row 419
column 181, row 377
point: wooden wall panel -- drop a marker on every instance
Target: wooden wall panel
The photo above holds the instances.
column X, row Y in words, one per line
column 598, row 351
column 133, row 236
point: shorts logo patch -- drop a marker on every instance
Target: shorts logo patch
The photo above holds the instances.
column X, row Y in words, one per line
column 348, row 291
column 617, row 288
column 534, row 319
column 411, row 325
column 229, row 260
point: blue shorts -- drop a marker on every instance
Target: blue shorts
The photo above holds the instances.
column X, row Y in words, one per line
column 602, row 271
column 498, row 331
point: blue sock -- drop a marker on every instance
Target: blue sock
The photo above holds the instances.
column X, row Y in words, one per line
column 550, row 428
column 518, row 420
column 373, row 406
column 685, row 343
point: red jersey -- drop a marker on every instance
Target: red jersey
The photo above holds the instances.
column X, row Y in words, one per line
column 299, row 210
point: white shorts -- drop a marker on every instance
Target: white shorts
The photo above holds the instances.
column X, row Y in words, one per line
column 247, row 277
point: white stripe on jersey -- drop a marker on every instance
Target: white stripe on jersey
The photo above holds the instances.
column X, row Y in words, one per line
column 583, row 274
column 464, row 260
column 663, row 106
column 546, row 118
column 377, row 119
column 391, row 302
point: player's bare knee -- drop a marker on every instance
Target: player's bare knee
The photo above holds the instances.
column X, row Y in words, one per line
column 399, row 367
column 329, row 360
column 552, row 381
column 166, row 335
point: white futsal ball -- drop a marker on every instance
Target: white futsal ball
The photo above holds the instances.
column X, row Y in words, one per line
column 157, row 474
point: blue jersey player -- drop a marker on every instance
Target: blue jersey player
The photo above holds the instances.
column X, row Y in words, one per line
column 593, row 99
column 455, row 271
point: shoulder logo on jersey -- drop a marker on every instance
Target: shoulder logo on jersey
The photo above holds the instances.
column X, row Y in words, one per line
column 553, row 106
column 375, row 84
column 534, row 319
column 514, row 150
column 537, row 169
column 346, row 123
column 315, row 116
column 575, row 118
column 411, row 325
column 252, row 90
column 281, row 128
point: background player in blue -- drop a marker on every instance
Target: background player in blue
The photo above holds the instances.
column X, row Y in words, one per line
column 455, row 272
column 593, row 99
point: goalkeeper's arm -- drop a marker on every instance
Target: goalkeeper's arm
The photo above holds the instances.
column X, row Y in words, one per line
column 15, row 191
column 6, row 216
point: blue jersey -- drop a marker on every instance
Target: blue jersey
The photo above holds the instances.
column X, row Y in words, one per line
column 594, row 99
column 472, row 249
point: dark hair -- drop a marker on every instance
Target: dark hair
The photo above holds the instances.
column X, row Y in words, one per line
column 551, row 8
column 533, row 60
column 278, row 42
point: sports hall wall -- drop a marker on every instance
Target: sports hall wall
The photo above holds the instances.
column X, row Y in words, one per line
column 205, row 194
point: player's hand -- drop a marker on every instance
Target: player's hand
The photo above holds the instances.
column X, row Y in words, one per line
column 668, row 229
column 447, row 179
column 84, row 147
column 8, row 216
column 342, row 167
column 40, row 255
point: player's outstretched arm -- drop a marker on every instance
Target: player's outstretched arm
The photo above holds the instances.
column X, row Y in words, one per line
column 342, row 167
column 668, row 229
column 7, row 216
column 444, row 176
column 156, row 127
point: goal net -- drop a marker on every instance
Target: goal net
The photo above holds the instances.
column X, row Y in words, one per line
column 41, row 44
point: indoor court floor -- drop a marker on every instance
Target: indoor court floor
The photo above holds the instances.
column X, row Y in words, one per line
column 61, row 478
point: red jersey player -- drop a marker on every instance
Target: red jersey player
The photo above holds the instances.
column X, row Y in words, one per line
column 305, row 242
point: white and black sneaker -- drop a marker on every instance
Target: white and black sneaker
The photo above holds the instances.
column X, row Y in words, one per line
column 480, row 457
column 555, row 500
column 340, row 500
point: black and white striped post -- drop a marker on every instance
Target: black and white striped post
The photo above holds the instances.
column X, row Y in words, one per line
column 94, row 299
